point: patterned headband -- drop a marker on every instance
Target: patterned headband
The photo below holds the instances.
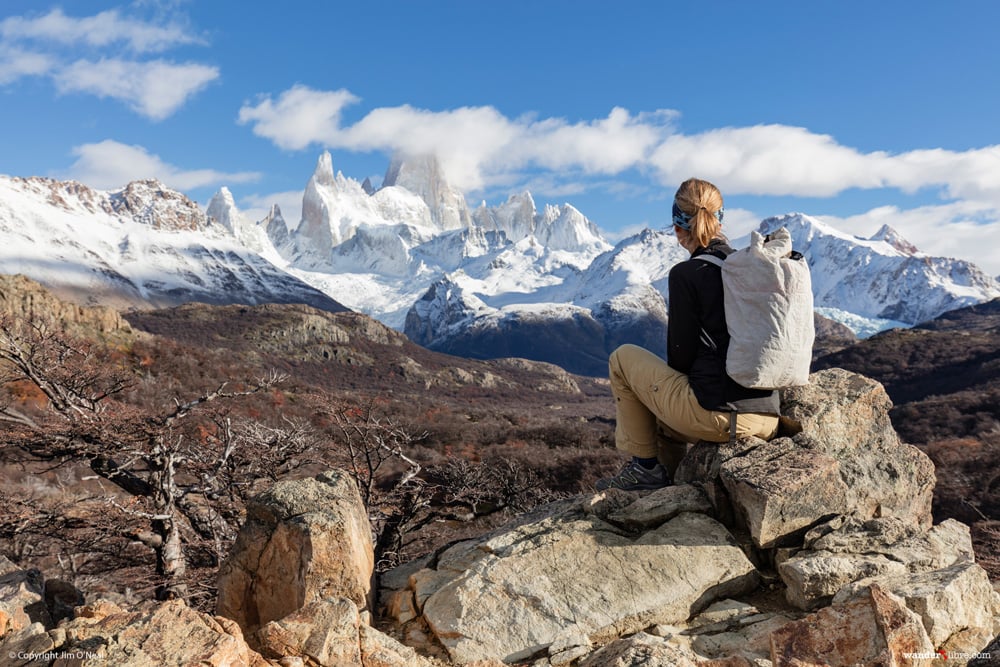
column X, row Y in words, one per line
column 683, row 220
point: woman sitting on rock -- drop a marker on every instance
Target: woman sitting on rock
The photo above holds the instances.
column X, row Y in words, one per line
column 663, row 405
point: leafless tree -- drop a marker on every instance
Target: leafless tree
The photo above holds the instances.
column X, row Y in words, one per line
column 403, row 497
column 79, row 415
column 397, row 500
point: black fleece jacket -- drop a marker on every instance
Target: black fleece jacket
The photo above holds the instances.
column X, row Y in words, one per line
column 697, row 338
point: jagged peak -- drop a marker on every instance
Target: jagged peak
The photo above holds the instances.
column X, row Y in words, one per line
column 222, row 208
column 889, row 235
column 815, row 227
column 790, row 219
column 422, row 175
column 150, row 202
column 521, row 198
column 274, row 213
column 148, row 182
column 646, row 235
column 519, row 206
column 145, row 185
column 811, row 227
column 415, row 172
column 323, row 174
column 222, row 197
column 49, row 182
column 567, row 212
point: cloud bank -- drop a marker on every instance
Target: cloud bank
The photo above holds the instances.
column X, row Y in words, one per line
column 479, row 147
column 108, row 165
column 58, row 46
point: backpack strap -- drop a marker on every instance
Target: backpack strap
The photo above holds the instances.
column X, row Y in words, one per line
column 711, row 259
column 733, row 410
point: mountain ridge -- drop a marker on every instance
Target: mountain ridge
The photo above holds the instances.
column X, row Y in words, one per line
column 515, row 270
column 143, row 245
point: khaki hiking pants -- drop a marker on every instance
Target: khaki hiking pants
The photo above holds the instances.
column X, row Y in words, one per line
column 658, row 414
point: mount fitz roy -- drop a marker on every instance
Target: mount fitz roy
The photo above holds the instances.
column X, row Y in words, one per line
column 507, row 280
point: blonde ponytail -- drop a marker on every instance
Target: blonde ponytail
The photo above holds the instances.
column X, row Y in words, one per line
column 698, row 209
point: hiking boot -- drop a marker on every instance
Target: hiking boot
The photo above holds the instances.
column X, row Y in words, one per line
column 633, row 477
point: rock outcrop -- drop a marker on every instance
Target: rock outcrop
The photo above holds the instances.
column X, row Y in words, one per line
column 303, row 541
column 876, row 629
column 832, row 518
column 574, row 572
column 102, row 633
column 839, row 456
column 23, row 298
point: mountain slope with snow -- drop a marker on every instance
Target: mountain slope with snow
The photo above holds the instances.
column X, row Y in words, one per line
column 144, row 245
column 884, row 276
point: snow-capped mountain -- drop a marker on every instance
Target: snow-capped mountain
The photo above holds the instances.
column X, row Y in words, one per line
column 494, row 281
column 139, row 246
column 617, row 298
column 382, row 249
column 883, row 277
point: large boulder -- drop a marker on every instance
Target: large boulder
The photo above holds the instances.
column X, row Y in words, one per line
column 333, row 633
column 303, row 541
column 299, row 578
column 874, row 629
column 952, row 601
column 849, row 550
column 780, row 489
column 846, row 416
column 569, row 572
column 838, row 455
column 324, row 632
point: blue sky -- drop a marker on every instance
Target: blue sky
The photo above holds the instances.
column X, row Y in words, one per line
column 862, row 113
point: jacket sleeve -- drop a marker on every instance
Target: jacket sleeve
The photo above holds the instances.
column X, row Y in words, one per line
column 682, row 321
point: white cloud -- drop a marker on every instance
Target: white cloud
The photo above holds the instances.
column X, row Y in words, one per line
column 101, row 30
column 470, row 142
column 481, row 148
column 153, row 89
column 605, row 146
column 109, row 165
column 767, row 160
column 16, row 63
column 60, row 46
column 972, row 174
column 477, row 146
column 300, row 117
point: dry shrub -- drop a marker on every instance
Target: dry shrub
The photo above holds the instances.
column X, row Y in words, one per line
column 986, row 542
